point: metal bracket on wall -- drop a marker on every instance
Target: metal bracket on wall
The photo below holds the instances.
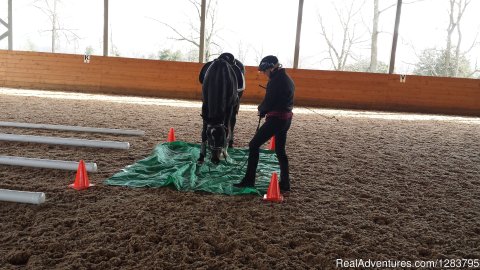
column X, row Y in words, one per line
column 4, row 35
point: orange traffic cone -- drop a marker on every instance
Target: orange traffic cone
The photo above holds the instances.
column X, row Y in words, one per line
column 271, row 146
column 171, row 135
column 273, row 192
column 81, row 179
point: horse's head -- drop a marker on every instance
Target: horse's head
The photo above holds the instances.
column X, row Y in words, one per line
column 217, row 141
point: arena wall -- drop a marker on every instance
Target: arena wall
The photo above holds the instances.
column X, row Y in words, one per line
column 316, row 88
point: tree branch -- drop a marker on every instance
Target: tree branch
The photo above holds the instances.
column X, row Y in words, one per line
column 182, row 37
column 403, row 3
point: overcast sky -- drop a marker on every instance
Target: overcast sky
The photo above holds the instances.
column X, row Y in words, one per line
column 248, row 28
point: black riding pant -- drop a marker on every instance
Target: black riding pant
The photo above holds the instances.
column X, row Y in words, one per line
column 279, row 128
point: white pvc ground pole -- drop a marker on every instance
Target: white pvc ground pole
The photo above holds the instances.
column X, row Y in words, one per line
column 45, row 163
column 22, row 196
column 64, row 141
column 74, row 128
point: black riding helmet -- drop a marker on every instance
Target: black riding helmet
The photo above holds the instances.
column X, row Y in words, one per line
column 267, row 62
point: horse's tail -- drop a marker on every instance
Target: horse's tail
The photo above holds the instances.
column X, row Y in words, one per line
column 219, row 91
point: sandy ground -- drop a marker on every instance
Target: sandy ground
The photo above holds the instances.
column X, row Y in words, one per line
column 379, row 186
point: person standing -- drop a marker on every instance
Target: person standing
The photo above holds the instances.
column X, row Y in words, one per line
column 276, row 107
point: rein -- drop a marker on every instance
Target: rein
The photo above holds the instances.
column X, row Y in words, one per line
column 324, row 116
column 237, row 167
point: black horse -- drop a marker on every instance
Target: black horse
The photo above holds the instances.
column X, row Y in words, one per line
column 223, row 83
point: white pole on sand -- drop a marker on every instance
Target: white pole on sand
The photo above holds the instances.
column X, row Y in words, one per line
column 64, row 141
column 74, row 128
column 22, row 196
column 45, row 163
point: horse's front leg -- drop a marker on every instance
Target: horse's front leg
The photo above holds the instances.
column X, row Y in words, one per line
column 203, row 152
column 229, row 140
column 225, row 153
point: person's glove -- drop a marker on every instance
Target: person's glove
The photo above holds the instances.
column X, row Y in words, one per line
column 261, row 114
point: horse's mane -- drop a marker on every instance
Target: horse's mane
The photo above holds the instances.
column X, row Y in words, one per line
column 219, row 92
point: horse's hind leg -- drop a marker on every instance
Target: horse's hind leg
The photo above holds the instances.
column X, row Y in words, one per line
column 203, row 148
column 230, row 135
column 233, row 120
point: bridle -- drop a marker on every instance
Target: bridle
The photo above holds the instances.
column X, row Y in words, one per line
column 212, row 144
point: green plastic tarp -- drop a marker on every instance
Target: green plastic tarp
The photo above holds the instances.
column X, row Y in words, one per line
column 175, row 165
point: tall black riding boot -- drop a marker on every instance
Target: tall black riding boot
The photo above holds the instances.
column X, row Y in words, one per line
column 284, row 184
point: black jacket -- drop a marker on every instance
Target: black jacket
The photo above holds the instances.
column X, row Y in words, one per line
column 279, row 94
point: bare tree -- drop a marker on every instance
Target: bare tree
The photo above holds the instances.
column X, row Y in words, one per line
column 242, row 52
column 258, row 54
column 377, row 12
column 456, row 10
column 432, row 63
column 450, row 61
column 193, row 37
column 113, row 48
column 56, row 27
column 340, row 52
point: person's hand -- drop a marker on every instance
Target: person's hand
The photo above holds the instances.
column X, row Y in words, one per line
column 261, row 114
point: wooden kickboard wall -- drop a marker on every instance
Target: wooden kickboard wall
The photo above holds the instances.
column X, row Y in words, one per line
column 316, row 88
